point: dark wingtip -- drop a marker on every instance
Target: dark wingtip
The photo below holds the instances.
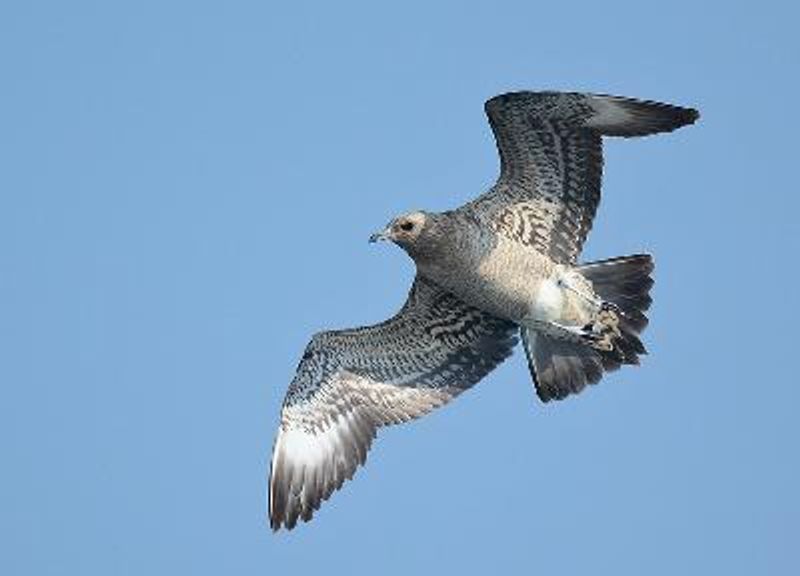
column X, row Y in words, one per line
column 609, row 115
column 643, row 117
column 275, row 521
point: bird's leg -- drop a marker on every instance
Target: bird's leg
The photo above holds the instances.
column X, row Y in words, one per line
column 599, row 334
column 562, row 331
column 564, row 283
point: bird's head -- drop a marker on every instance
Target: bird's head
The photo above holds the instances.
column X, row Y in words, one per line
column 421, row 234
column 405, row 230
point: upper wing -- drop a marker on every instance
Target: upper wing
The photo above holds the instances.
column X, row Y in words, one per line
column 551, row 162
column 351, row 382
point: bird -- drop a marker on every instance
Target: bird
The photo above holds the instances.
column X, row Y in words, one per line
column 499, row 269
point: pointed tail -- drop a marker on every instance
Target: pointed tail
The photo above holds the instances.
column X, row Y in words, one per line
column 560, row 365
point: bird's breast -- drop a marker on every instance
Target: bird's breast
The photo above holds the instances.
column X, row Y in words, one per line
column 505, row 281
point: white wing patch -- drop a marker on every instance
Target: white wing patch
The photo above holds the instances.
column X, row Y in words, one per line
column 321, row 445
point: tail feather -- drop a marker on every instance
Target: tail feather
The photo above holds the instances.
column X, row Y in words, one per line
column 626, row 283
column 562, row 365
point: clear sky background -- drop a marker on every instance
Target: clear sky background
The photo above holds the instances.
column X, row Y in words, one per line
column 186, row 193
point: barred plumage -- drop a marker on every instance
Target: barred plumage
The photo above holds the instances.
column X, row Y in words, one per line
column 351, row 382
column 502, row 264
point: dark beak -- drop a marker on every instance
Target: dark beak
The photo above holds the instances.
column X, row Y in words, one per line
column 384, row 235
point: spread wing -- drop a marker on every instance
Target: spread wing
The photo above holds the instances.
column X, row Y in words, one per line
column 351, row 382
column 551, row 162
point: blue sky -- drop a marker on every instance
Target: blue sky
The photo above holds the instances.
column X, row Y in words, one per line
column 187, row 190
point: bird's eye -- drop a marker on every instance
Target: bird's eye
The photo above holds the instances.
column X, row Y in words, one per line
column 407, row 226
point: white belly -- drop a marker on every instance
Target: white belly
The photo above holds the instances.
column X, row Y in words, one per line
column 548, row 303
